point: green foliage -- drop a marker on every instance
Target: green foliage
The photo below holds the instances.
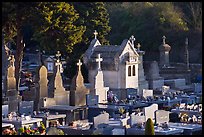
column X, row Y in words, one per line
column 149, row 127
column 55, row 26
column 54, row 131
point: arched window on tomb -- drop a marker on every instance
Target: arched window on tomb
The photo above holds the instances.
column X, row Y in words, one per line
column 129, row 70
column 133, row 70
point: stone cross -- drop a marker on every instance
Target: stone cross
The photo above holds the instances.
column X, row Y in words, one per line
column 12, row 60
column 95, row 34
column 79, row 64
column 132, row 39
column 138, row 46
column 164, row 38
column 99, row 59
column 186, row 54
column 58, row 58
column 186, row 42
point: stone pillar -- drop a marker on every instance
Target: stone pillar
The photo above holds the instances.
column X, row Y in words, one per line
column 186, row 55
column 164, row 53
column 143, row 84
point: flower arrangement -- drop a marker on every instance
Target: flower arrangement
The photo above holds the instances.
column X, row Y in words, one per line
column 9, row 131
column 34, row 131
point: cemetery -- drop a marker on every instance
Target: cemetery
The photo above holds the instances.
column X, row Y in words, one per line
column 121, row 99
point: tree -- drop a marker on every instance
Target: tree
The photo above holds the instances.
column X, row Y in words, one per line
column 94, row 16
column 192, row 13
column 15, row 16
column 55, row 26
column 149, row 127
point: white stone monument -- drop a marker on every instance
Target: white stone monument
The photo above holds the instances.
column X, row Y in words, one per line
column 99, row 88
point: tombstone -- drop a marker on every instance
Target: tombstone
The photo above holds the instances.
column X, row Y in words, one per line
column 5, row 110
column 161, row 116
column 150, row 111
column 11, row 80
column 135, row 119
column 41, row 84
column 45, row 102
column 78, row 90
column 142, row 82
column 98, row 87
column 153, row 77
column 26, row 107
column 164, row 53
column 11, row 92
column 147, row 93
column 91, row 100
column 101, row 119
column 60, row 95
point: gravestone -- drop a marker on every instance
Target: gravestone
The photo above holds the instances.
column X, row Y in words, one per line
column 41, row 83
column 78, row 90
column 26, row 107
column 142, row 82
column 11, row 92
column 5, row 110
column 101, row 119
column 150, row 111
column 11, row 80
column 98, row 87
column 134, row 119
column 164, row 53
column 45, row 102
column 161, row 116
column 147, row 93
column 91, row 100
column 60, row 95
column 153, row 77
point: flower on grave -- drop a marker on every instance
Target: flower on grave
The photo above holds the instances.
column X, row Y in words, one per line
column 121, row 110
column 9, row 131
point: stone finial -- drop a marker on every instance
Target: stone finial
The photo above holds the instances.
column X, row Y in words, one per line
column 186, row 42
column 99, row 59
column 132, row 39
column 164, row 38
column 138, row 46
column 79, row 64
column 95, row 34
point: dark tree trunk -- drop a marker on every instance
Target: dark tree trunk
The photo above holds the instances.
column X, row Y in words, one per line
column 19, row 50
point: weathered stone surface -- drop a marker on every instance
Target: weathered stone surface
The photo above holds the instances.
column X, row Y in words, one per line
column 78, row 90
column 161, row 116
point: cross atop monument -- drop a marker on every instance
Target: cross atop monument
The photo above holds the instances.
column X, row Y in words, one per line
column 58, row 55
column 138, row 46
column 12, row 60
column 99, row 59
column 132, row 39
column 58, row 60
column 186, row 42
column 79, row 64
column 164, row 38
column 95, row 34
